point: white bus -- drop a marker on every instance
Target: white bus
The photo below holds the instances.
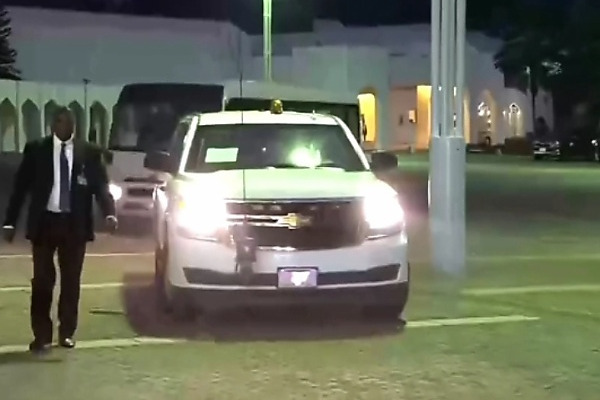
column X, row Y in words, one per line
column 147, row 114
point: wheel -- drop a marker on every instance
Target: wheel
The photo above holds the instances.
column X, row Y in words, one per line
column 537, row 157
column 175, row 307
column 384, row 312
column 389, row 312
column 159, row 279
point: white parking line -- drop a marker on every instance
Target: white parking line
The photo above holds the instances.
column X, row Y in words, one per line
column 108, row 285
column 102, row 344
column 144, row 341
column 500, row 319
column 90, row 255
column 543, row 257
column 531, row 289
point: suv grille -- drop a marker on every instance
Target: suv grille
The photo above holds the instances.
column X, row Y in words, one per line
column 310, row 225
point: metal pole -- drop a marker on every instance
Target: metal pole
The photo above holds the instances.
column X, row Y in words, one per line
column 85, row 129
column 267, row 32
column 447, row 152
column 461, row 26
column 436, row 10
column 446, row 57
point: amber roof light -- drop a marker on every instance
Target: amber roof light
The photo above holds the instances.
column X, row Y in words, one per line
column 276, row 107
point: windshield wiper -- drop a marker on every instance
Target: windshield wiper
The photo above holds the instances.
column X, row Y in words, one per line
column 329, row 165
column 295, row 166
column 284, row 165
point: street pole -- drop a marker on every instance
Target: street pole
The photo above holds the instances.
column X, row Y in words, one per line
column 86, row 120
column 447, row 159
column 267, row 33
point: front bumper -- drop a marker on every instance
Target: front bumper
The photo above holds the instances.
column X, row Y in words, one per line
column 546, row 149
column 388, row 295
column 546, row 152
column 210, row 266
column 136, row 201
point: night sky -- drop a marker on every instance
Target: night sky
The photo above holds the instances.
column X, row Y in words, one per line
column 294, row 15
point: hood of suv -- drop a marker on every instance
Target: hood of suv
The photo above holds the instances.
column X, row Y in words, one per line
column 263, row 184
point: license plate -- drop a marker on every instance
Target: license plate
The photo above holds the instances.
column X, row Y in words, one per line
column 542, row 149
column 298, row 278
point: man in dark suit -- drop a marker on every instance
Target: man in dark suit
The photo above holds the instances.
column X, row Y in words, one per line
column 60, row 174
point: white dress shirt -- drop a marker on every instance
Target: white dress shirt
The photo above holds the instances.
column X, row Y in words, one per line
column 54, row 200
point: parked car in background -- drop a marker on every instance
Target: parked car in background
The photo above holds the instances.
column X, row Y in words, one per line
column 578, row 145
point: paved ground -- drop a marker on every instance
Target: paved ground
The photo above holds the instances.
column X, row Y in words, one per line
column 523, row 324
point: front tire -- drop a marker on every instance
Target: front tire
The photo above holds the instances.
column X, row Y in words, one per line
column 389, row 311
column 384, row 313
column 166, row 302
column 160, row 292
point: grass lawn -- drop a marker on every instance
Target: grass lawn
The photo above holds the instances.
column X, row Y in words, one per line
column 529, row 225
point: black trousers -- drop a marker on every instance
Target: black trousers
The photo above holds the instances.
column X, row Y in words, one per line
column 56, row 236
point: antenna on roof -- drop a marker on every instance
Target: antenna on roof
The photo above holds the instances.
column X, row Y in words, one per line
column 241, row 82
column 244, row 242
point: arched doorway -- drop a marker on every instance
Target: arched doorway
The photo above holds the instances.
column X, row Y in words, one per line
column 8, row 126
column 31, row 120
column 98, row 124
column 515, row 120
column 485, row 121
column 50, row 109
column 367, row 101
column 78, row 115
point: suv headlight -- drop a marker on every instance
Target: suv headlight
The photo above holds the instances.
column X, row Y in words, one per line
column 115, row 191
column 383, row 213
column 200, row 216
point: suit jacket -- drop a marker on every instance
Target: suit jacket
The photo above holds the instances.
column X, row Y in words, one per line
column 35, row 178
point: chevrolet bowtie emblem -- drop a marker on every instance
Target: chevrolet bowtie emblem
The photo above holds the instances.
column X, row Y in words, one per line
column 296, row 221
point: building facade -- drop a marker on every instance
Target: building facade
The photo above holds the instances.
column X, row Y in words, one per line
column 82, row 60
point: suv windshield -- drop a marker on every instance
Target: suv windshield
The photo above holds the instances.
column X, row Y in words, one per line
column 258, row 146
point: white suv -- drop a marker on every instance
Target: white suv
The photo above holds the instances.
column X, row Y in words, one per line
column 276, row 208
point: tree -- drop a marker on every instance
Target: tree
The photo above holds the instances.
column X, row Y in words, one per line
column 530, row 61
column 581, row 75
column 532, row 48
column 8, row 55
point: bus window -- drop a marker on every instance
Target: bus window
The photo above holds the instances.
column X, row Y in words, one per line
column 143, row 127
column 147, row 115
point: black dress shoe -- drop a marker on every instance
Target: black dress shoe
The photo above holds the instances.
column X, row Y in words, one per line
column 39, row 347
column 67, row 343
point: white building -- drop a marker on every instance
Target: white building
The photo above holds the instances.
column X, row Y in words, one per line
column 390, row 66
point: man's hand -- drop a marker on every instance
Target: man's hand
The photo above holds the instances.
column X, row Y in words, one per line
column 8, row 233
column 111, row 224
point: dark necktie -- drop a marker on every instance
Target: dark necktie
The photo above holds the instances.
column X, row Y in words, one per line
column 64, row 202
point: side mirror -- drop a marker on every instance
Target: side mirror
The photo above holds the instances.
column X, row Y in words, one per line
column 383, row 161
column 159, row 161
column 108, row 157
